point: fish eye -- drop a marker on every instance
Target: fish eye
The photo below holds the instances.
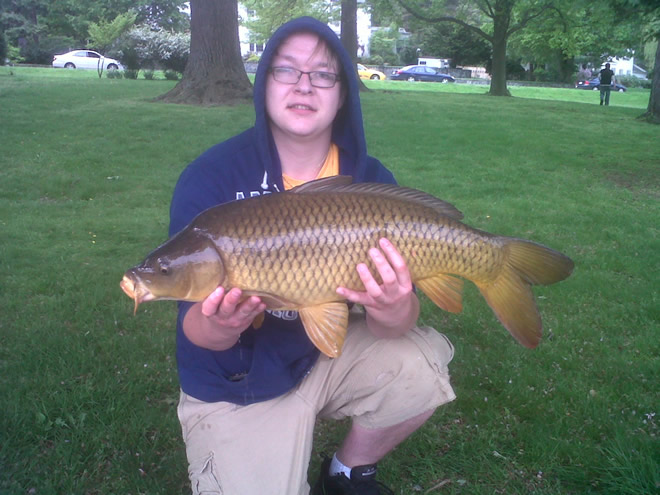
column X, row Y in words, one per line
column 163, row 267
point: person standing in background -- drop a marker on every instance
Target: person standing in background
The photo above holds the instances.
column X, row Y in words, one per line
column 606, row 78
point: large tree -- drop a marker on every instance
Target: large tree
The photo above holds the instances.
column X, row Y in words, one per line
column 214, row 74
column 649, row 13
column 653, row 111
column 349, row 38
column 493, row 20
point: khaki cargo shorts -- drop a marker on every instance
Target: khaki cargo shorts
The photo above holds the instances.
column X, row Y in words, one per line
column 265, row 448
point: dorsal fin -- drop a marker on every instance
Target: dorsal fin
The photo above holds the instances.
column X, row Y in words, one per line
column 343, row 183
column 325, row 184
column 406, row 193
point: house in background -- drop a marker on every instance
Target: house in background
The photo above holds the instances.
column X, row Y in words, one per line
column 247, row 48
column 626, row 67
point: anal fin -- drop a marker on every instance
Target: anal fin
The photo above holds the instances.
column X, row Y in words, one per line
column 444, row 290
column 512, row 301
column 326, row 326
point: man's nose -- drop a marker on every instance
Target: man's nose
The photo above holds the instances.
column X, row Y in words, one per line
column 304, row 84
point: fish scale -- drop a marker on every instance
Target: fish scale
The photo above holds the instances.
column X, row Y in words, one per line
column 283, row 254
column 294, row 249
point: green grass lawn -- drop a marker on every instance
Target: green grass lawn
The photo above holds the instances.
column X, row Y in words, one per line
column 87, row 168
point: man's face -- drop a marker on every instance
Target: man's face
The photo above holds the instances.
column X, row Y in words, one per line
column 301, row 111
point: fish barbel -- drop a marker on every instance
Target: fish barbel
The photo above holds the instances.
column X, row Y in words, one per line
column 294, row 249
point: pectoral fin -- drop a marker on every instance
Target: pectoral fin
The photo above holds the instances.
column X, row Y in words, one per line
column 326, row 325
column 259, row 320
column 444, row 290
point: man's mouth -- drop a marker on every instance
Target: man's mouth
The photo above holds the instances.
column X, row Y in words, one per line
column 300, row 106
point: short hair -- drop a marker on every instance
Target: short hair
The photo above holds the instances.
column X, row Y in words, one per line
column 322, row 46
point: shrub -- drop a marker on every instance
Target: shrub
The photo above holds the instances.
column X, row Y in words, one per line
column 545, row 75
column 131, row 73
column 148, row 74
column 42, row 51
column 633, row 82
column 375, row 60
column 171, row 75
column 114, row 74
column 14, row 54
column 143, row 46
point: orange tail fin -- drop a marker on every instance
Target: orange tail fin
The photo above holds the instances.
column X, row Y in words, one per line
column 510, row 295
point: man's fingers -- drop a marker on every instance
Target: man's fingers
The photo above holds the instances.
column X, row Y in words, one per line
column 211, row 304
column 353, row 296
column 229, row 303
column 371, row 285
column 251, row 307
column 383, row 267
column 397, row 262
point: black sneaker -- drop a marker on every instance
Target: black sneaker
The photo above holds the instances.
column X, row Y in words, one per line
column 361, row 482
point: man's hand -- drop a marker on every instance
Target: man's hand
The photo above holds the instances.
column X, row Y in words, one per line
column 392, row 307
column 217, row 322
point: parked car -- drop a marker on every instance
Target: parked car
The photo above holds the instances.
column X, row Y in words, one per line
column 421, row 73
column 595, row 85
column 85, row 59
column 365, row 73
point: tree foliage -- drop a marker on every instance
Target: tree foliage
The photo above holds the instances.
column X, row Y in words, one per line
column 453, row 41
column 383, row 45
column 271, row 14
column 493, row 20
column 103, row 34
column 41, row 28
column 582, row 34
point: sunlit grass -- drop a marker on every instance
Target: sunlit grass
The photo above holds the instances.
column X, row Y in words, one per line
column 87, row 167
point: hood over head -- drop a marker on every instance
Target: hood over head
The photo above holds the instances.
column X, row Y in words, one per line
column 348, row 131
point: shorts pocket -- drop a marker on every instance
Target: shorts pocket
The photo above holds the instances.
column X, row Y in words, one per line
column 204, row 476
column 435, row 346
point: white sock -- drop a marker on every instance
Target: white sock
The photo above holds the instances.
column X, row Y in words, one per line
column 336, row 467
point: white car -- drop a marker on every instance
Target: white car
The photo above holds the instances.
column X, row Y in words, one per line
column 85, row 59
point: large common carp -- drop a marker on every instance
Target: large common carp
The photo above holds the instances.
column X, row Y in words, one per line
column 294, row 249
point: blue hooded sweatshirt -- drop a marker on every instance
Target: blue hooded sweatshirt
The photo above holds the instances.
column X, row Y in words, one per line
column 269, row 362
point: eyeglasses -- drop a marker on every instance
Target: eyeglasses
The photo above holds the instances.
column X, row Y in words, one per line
column 317, row 78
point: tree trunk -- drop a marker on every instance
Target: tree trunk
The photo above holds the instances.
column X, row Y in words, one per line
column 349, row 27
column 653, row 111
column 498, row 71
column 349, row 33
column 214, row 74
column 501, row 21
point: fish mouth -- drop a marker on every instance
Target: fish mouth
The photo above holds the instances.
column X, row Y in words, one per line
column 135, row 290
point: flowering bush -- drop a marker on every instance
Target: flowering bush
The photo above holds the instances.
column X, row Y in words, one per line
column 144, row 46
